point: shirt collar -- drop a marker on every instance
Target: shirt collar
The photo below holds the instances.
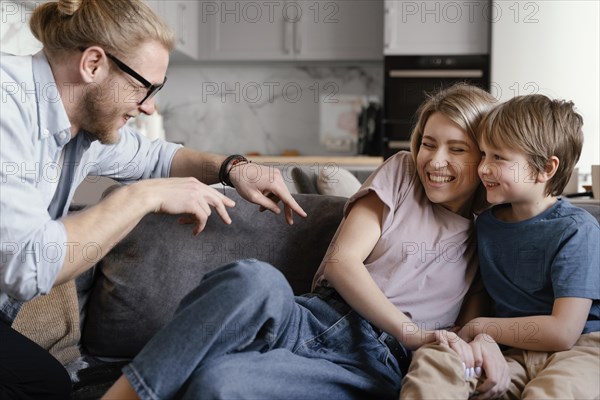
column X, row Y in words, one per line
column 53, row 119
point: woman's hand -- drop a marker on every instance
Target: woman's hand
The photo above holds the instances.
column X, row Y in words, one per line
column 490, row 359
column 462, row 348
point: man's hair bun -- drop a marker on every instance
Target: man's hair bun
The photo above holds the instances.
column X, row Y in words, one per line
column 69, row 7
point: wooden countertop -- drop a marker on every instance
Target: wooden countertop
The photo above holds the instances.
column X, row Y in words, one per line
column 362, row 161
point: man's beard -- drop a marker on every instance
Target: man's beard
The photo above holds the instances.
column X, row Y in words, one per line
column 100, row 113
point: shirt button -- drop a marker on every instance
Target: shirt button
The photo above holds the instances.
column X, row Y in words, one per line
column 62, row 136
column 46, row 133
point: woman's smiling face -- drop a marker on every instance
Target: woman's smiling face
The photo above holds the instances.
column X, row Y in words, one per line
column 447, row 164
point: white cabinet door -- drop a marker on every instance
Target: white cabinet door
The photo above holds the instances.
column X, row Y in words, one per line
column 182, row 17
column 339, row 30
column 437, row 27
column 249, row 31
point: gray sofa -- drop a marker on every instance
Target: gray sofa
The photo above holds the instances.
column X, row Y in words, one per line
column 136, row 288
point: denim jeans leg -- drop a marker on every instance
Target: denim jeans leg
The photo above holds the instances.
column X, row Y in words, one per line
column 280, row 374
column 241, row 306
column 329, row 353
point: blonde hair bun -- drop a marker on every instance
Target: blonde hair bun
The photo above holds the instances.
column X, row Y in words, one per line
column 68, row 7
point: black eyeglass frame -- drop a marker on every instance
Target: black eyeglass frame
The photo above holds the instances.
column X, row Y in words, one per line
column 152, row 88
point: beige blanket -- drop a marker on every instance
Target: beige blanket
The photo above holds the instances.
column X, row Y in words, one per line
column 52, row 321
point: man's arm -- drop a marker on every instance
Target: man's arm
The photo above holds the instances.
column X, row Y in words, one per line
column 202, row 166
column 256, row 183
column 102, row 226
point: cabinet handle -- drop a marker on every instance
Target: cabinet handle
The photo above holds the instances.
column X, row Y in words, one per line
column 436, row 73
column 287, row 36
column 389, row 21
column 297, row 38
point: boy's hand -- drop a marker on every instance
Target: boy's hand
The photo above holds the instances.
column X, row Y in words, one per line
column 489, row 358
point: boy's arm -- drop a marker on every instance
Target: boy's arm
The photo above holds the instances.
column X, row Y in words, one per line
column 556, row 332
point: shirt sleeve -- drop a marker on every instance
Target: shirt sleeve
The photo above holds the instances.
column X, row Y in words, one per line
column 32, row 246
column 576, row 266
column 134, row 157
column 391, row 181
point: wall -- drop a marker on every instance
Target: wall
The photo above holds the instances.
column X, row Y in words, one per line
column 551, row 47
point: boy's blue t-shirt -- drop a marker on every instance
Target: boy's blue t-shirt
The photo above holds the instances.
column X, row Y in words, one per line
column 526, row 265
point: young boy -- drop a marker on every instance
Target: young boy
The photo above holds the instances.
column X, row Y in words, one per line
column 540, row 263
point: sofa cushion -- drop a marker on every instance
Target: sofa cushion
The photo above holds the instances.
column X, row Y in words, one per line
column 337, row 182
column 303, row 182
column 140, row 282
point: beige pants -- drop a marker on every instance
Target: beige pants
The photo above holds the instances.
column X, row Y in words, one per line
column 436, row 372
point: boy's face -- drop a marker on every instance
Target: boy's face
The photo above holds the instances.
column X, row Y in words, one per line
column 508, row 176
column 447, row 164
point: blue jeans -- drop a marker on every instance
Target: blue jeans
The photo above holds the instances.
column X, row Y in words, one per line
column 243, row 334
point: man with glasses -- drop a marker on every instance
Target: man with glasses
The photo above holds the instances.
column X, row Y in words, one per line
column 63, row 117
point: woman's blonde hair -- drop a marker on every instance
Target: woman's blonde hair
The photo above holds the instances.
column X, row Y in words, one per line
column 463, row 104
column 118, row 26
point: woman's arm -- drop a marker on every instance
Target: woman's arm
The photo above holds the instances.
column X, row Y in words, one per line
column 345, row 271
column 556, row 332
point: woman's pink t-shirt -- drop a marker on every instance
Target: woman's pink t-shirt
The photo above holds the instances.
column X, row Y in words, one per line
column 426, row 257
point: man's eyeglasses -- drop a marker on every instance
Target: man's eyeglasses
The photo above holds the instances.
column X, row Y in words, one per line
column 152, row 88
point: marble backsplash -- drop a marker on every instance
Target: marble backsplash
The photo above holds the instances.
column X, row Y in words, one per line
column 253, row 107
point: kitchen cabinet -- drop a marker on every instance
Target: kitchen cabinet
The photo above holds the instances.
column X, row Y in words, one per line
column 294, row 30
column 437, row 27
column 340, row 30
column 250, row 31
column 182, row 17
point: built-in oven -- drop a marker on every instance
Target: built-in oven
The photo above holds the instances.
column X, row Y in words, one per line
column 408, row 80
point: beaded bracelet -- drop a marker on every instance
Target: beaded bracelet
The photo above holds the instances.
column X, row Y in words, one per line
column 228, row 165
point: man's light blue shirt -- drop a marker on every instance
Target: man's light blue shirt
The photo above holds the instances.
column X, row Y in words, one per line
column 37, row 186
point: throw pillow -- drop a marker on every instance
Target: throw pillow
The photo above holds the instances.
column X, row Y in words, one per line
column 337, row 182
column 52, row 321
column 302, row 182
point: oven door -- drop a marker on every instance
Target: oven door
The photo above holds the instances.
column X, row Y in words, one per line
column 408, row 81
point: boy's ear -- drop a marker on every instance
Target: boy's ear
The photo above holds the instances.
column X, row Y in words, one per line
column 551, row 168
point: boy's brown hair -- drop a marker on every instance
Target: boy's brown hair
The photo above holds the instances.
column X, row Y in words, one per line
column 540, row 128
